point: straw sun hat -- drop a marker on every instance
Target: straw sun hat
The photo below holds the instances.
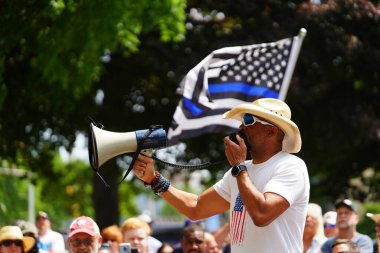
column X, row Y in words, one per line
column 374, row 217
column 14, row 233
column 273, row 111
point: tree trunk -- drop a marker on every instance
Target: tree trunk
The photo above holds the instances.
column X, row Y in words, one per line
column 106, row 201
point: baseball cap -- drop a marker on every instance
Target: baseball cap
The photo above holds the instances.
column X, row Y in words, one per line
column 348, row 203
column 85, row 225
column 330, row 217
column 42, row 214
column 28, row 227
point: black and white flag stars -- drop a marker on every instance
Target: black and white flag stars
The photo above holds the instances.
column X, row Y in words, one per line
column 228, row 77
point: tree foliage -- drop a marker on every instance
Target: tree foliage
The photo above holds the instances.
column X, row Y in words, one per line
column 51, row 53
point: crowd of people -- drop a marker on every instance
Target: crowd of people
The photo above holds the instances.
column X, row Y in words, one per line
column 84, row 236
column 335, row 230
column 332, row 232
column 267, row 196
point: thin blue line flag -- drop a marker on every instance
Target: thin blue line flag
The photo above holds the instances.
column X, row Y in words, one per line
column 228, row 77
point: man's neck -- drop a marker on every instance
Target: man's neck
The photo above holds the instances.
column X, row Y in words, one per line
column 346, row 234
column 260, row 158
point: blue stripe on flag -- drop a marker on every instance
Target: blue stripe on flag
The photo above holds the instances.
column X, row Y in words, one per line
column 242, row 88
column 195, row 110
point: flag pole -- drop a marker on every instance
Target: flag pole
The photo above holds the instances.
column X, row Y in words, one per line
column 292, row 63
column 302, row 33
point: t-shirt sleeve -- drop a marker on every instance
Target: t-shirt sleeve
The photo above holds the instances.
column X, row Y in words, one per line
column 326, row 246
column 289, row 180
column 222, row 187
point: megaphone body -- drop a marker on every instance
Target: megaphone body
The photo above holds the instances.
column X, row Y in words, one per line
column 105, row 145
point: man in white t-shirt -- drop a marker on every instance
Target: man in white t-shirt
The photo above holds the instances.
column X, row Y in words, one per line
column 267, row 196
column 48, row 240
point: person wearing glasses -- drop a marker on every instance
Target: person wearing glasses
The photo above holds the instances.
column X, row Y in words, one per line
column 347, row 219
column 329, row 224
column 48, row 240
column 13, row 241
column 84, row 236
column 267, row 194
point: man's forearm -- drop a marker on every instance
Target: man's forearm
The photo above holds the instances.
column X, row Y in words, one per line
column 184, row 202
column 196, row 207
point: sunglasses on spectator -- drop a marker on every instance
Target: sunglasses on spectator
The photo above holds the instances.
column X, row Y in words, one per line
column 327, row 225
column 249, row 120
column 85, row 242
column 8, row 243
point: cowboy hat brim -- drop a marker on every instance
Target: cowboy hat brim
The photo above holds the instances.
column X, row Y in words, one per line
column 292, row 141
column 374, row 217
column 28, row 242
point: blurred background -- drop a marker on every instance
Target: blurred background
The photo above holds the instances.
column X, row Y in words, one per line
column 120, row 62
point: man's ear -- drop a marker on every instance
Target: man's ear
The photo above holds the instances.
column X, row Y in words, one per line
column 357, row 218
column 100, row 240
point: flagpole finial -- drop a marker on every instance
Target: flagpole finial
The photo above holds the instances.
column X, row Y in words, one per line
column 302, row 33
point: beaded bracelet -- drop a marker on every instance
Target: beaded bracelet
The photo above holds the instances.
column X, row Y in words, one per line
column 159, row 184
column 163, row 187
column 155, row 180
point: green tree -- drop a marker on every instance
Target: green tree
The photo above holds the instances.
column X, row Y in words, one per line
column 51, row 53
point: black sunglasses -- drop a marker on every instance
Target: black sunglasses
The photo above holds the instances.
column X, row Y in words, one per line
column 8, row 243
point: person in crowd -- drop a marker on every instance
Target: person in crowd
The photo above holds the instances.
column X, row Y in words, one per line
column 313, row 234
column 211, row 246
column 345, row 246
column 48, row 240
column 29, row 229
column 329, row 224
column 346, row 221
column 84, row 236
column 267, row 196
column 376, row 219
column 192, row 239
column 113, row 237
column 165, row 248
column 154, row 243
column 222, row 237
column 136, row 232
column 13, row 241
column 105, row 248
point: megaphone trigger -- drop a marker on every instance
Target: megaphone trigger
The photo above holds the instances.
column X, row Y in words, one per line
column 147, row 152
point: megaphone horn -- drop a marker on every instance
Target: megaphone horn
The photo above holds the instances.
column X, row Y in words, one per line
column 104, row 145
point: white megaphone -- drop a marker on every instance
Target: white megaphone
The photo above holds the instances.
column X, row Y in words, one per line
column 104, row 145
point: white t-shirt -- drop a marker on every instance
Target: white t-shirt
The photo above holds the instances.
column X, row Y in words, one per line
column 154, row 244
column 285, row 175
column 51, row 242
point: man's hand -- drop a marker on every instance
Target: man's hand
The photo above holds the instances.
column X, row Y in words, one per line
column 235, row 153
column 144, row 168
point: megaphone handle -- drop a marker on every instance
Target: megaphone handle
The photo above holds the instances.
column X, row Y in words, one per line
column 147, row 152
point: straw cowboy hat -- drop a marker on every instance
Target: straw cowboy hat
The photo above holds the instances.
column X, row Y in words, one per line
column 276, row 112
column 374, row 217
column 14, row 233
